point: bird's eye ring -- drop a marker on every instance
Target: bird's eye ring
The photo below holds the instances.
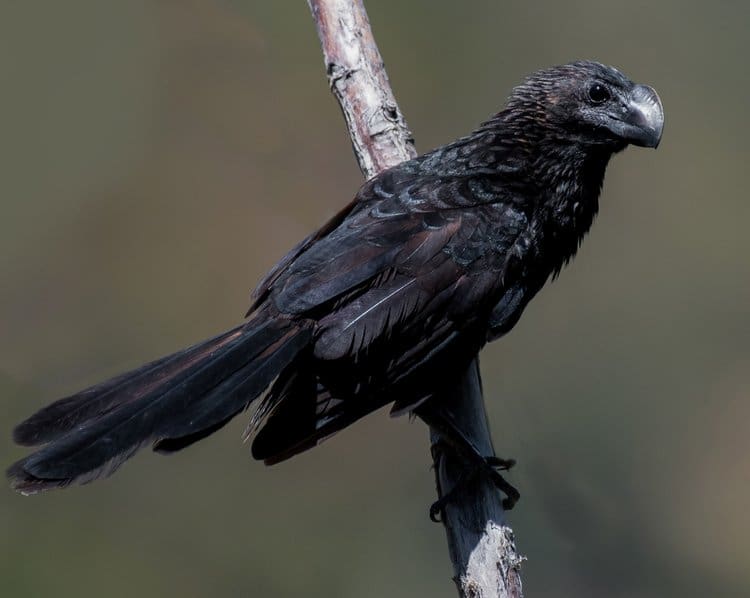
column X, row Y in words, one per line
column 598, row 94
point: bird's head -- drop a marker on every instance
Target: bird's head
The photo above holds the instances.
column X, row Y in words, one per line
column 589, row 104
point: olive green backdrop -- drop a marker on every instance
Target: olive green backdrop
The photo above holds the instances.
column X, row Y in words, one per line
column 157, row 156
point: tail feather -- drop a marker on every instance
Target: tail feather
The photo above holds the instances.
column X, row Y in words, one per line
column 228, row 399
column 176, row 399
column 58, row 418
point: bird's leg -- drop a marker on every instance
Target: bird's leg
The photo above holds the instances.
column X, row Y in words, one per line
column 475, row 461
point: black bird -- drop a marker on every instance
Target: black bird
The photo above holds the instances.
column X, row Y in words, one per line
column 399, row 291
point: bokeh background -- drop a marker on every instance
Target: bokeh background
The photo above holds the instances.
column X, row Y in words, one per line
column 157, row 156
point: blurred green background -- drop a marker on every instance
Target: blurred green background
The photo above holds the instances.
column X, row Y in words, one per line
column 157, row 156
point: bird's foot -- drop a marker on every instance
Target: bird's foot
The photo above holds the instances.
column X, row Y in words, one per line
column 491, row 466
column 453, row 440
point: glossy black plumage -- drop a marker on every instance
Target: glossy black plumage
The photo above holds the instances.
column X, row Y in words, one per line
column 432, row 259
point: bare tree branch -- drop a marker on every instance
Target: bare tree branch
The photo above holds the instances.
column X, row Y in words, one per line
column 481, row 546
column 356, row 74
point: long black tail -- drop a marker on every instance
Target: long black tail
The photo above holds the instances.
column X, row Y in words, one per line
column 171, row 402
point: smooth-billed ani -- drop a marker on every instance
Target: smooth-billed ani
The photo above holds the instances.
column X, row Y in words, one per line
column 398, row 292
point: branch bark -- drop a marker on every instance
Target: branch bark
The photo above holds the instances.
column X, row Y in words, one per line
column 379, row 134
column 480, row 544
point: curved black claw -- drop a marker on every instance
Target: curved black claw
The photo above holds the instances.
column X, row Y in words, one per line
column 495, row 465
column 436, row 508
column 511, row 493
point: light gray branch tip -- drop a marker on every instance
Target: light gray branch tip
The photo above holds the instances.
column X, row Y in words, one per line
column 493, row 568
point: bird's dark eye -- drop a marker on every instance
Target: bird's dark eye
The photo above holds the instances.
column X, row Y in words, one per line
column 598, row 94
